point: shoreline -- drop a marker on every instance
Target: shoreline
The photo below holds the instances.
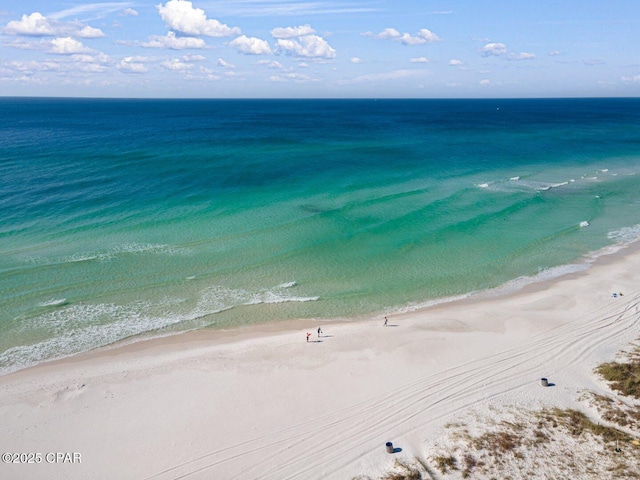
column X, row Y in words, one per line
column 260, row 402
column 219, row 336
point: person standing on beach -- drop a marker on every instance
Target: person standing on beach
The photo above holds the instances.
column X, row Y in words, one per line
column 308, row 335
column 319, row 332
column 385, row 321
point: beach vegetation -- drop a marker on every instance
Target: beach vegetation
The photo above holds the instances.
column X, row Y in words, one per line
column 445, row 463
column 623, row 377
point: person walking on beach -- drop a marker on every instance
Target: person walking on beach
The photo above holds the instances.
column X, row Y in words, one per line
column 308, row 335
column 319, row 332
column 385, row 321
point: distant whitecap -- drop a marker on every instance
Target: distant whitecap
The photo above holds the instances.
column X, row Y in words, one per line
column 584, row 224
column 54, row 302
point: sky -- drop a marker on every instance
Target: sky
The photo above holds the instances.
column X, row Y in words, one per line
column 320, row 48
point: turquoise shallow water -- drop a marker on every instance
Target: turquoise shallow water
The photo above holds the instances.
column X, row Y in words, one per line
column 125, row 218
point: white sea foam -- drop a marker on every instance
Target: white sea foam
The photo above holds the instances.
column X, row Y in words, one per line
column 544, row 187
column 483, row 185
column 625, row 235
column 125, row 249
column 514, row 179
column 584, row 224
column 54, row 302
column 73, row 329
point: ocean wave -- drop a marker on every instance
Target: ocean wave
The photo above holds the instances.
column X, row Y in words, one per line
column 111, row 253
column 54, row 302
column 544, row 188
column 125, row 249
column 584, row 224
column 73, row 329
column 517, row 184
column 625, row 235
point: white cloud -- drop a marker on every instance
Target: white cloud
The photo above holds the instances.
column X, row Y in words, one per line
column 356, row 60
column 521, row 56
column 386, row 76
column 634, row 79
column 419, row 60
column 130, row 12
column 131, row 65
column 37, row 25
column 270, row 64
column 387, row 33
column 496, row 49
column 180, row 15
column 22, row 44
column 485, row 82
column 554, row 53
column 176, row 64
column 98, row 58
column 292, row 32
column 428, row 36
column 224, row 64
column 454, row 62
column 296, row 77
column 307, row 46
column 90, row 32
column 67, row 46
column 251, row 45
column 423, row 36
column 194, row 58
column 173, row 42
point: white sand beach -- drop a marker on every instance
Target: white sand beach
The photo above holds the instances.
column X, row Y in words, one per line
column 263, row 403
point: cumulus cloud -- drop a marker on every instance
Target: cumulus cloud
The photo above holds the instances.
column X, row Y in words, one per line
column 194, row 58
column 99, row 58
column 130, row 12
column 251, row 45
column 224, row 64
column 181, row 16
column 90, row 32
column 292, row 32
column 270, row 63
column 302, row 42
column 423, row 36
column 485, row 82
column 495, row 49
column 419, row 60
column 454, row 62
column 307, row 46
column 37, row 25
column 356, row 60
column 173, row 42
column 133, row 65
column 176, row 64
column 67, row 46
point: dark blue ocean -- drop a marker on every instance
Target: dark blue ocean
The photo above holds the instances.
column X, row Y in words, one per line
column 124, row 219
